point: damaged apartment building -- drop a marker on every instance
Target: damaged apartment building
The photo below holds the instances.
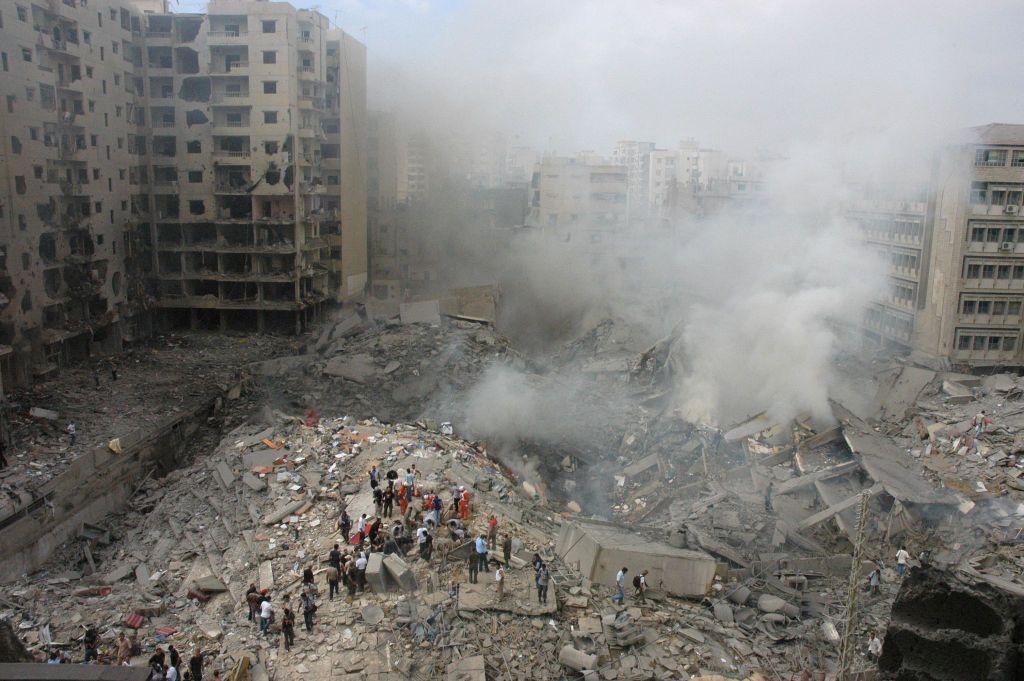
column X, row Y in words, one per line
column 954, row 251
column 194, row 170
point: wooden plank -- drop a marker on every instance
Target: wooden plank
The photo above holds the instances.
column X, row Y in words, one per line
column 849, row 502
column 806, row 480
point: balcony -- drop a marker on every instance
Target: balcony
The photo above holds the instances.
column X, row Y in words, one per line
column 165, row 186
column 164, row 124
column 235, row 68
column 226, row 37
column 225, row 153
column 231, row 98
column 158, row 34
column 231, row 124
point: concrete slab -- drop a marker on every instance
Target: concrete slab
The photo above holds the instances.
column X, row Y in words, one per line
column 376, row 577
column 224, row 475
column 261, row 457
column 423, row 312
column 254, row 483
column 601, row 549
column 356, row 368
column 467, row 669
column 266, row 577
column 398, row 570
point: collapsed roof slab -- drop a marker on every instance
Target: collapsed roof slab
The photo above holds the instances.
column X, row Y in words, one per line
column 601, row 549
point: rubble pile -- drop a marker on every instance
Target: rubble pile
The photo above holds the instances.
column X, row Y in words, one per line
column 387, row 370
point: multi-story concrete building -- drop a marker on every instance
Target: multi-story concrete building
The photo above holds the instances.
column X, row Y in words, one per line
column 577, row 194
column 218, row 159
column 636, row 157
column 955, row 254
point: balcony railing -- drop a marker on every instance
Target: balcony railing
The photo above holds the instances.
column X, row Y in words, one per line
column 232, row 154
column 220, row 35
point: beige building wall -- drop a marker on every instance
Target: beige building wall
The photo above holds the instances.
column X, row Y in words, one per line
column 354, row 247
column 571, row 193
column 956, row 261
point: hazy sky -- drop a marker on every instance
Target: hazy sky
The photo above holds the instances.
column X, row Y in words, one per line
column 583, row 74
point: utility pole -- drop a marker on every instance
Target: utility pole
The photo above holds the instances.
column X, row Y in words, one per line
column 847, row 644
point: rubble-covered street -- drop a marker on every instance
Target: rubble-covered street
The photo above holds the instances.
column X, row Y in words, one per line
column 746, row 534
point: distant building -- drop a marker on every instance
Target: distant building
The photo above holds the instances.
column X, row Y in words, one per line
column 636, row 157
column 955, row 253
column 570, row 194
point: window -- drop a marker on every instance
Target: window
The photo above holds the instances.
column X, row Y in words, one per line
column 990, row 157
column 979, row 343
column 1003, row 272
column 99, row 207
column 270, row 147
column 26, row 54
column 86, row 37
column 11, row 99
column 269, row 57
column 33, row 133
column 968, row 307
column 22, row 13
column 38, row 172
column 984, row 307
column 102, row 53
column 3, row 58
column 113, row 48
column 194, row 147
column 270, row 87
column 269, row 26
column 998, row 307
column 196, row 207
column 973, row 271
column 270, row 117
column 19, row 184
column 88, row 72
column 988, row 271
column 15, row 145
column 195, row 176
column 1013, row 308
column 93, row 140
column 30, row 94
column 117, row 79
column 92, row 106
column 979, row 192
column 104, row 84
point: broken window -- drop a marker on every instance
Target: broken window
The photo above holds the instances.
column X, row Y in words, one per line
column 270, row 147
column 195, row 176
column 270, row 87
column 197, row 207
column 19, row 184
column 194, row 147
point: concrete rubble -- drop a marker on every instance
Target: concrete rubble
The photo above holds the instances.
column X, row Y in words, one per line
column 746, row 530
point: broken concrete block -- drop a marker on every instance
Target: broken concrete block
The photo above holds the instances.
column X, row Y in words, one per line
column 576, row 659
column 956, row 393
column 210, row 585
column 467, row 669
column 266, row 575
column 261, row 458
column 118, row 573
column 397, row 569
column 224, row 475
column 254, row 483
column 142, row 575
column 423, row 312
column 282, row 512
column 375, row 575
column 1000, row 383
column 40, row 413
column 372, row 614
column 356, row 368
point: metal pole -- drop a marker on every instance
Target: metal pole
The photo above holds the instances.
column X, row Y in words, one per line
column 847, row 643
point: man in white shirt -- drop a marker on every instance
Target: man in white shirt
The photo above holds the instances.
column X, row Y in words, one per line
column 171, row 674
column 620, row 581
column 266, row 612
column 875, row 647
column 901, row 560
column 361, row 571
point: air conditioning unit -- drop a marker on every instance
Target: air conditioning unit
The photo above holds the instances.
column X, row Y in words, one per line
column 1010, row 210
column 1006, row 246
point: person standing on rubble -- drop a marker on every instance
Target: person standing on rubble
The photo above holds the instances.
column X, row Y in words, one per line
column 378, row 502
column 620, row 582
column 875, row 580
column 474, row 568
column 387, row 502
column 345, row 525
column 332, row 581
column 266, row 612
column 334, row 557
column 435, row 505
column 124, row 649
column 641, row 586
column 72, row 434
column 499, row 578
column 543, row 578
column 253, row 598
column 464, row 503
column 90, row 641
column 902, row 556
column 374, row 477
column 874, row 647
column 768, row 497
column 980, row 422
column 195, row 665
column 351, row 579
column 492, row 530
column 288, row 627
column 506, row 550
column 308, row 610
column 361, row 571
column 307, row 575
column 172, row 672
column 421, row 542
column 481, row 553
column 172, row 652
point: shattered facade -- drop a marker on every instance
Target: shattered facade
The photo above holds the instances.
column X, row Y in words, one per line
column 200, row 164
